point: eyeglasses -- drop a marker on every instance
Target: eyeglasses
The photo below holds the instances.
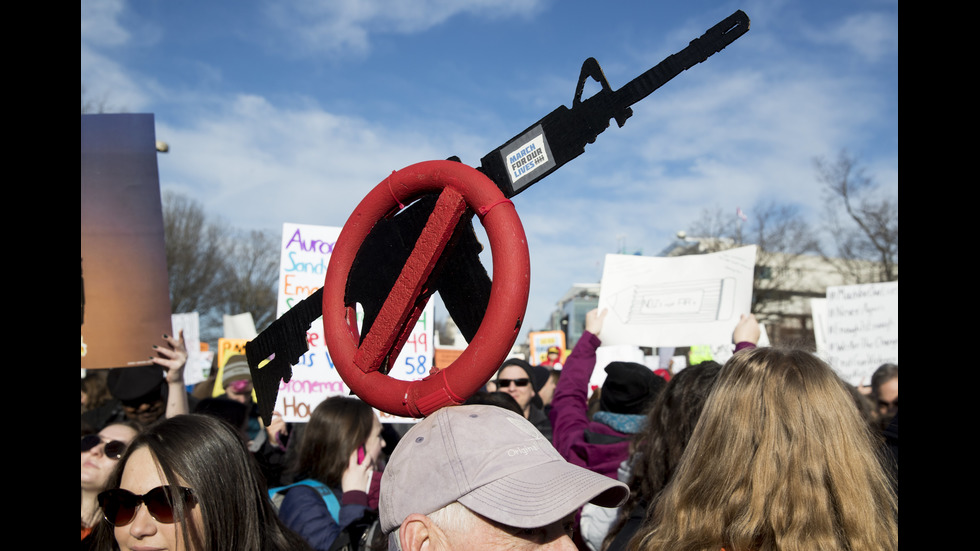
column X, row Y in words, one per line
column 113, row 449
column 504, row 383
column 119, row 506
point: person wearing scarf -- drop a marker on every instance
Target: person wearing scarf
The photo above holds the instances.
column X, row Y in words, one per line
column 601, row 443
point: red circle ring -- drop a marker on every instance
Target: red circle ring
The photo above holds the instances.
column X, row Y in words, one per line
column 456, row 183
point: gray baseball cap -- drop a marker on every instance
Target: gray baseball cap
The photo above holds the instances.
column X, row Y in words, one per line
column 492, row 461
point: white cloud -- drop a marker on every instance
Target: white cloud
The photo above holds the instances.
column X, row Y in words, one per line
column 336, row 26
column 100, row 23
column 872, row 35
column 106, row 84
column 259, row 164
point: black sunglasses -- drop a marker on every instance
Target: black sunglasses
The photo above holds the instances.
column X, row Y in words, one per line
column 504, row 383
column 113, row 449
column 119, row 506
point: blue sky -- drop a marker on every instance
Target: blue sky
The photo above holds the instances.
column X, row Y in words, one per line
column 292, row 111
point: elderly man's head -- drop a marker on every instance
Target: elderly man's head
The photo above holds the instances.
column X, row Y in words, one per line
column 482, row 477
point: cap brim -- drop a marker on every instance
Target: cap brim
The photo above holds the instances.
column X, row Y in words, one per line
column 543, row 494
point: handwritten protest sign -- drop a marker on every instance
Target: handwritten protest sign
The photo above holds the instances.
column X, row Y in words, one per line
column 861, row 329
column 676, row 301
column 305, row 255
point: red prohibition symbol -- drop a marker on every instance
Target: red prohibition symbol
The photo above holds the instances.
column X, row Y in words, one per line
column 459, row 187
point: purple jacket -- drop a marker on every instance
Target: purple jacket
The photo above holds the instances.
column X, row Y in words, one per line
column 569, row 416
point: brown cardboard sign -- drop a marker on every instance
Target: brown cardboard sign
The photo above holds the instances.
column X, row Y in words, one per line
column 125, row 293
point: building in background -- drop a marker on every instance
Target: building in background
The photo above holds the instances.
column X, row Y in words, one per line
column 569, row 315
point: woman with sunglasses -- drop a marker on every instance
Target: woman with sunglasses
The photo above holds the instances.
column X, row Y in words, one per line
column 189, row 483
column 517, row 378
column 100, row 453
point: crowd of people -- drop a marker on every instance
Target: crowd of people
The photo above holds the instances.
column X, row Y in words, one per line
column 770, row 451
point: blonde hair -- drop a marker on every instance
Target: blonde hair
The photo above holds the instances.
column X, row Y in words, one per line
column 779, row 460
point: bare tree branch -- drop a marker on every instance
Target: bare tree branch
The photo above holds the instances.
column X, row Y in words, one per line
column 251, row 277
column 196, row 250
column 782, row 236
column 869, row 231
column 216, row 270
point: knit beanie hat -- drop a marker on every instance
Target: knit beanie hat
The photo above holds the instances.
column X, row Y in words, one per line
column 236, row 369
column 629, row 387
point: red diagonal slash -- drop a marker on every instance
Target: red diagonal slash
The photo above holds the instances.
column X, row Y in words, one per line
column 401, row 309
column 460, row 188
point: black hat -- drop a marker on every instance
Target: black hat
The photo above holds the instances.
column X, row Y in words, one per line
column 142, row 383
column 629, row 387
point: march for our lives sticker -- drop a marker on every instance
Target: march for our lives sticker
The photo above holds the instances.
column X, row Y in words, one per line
column 530, row 154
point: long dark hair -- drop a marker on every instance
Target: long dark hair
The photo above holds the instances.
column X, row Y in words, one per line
column 208, row 455
column 657, row 449
column 337, row 426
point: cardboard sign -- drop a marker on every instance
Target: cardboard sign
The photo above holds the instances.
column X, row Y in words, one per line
column 125, row 292
column 540, row 341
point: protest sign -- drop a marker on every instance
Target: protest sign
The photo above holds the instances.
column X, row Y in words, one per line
column 239, row 326
column 676, row 301
column 198, row 363
column 861, row 330
column 818, row 311
column 305, row 255
column 125, row 293
column 540, row 341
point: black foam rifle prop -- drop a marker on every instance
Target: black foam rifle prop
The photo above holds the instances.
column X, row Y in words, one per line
column 454, row 269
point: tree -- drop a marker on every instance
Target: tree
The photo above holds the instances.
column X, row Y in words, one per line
column 251, row 275
column 196, row 249
column 861, row 221
column 92, row 105
column 784, row 239
column 215, row 270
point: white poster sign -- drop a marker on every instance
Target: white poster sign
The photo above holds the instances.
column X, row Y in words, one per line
column 818, row 311
column 676, row 301
column 861, row 329
column 198, row 364
column 306, row 251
